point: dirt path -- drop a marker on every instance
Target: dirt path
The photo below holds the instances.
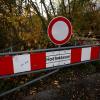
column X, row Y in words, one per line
column 87, row 88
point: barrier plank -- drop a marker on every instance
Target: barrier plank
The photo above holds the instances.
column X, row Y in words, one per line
column 26, row 62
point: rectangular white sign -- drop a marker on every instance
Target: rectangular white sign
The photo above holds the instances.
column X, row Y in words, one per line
column 57, row 58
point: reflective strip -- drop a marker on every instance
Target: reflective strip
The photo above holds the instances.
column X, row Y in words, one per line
column 21, row 63
column 86, row 54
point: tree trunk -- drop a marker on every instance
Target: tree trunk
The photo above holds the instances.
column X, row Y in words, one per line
column 52, row 7
column 48, row 16
column 39, row 14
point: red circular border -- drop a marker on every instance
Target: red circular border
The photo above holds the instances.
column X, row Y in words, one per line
column 53, row 21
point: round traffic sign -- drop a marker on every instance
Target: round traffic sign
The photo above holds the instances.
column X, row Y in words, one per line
column 59, row 30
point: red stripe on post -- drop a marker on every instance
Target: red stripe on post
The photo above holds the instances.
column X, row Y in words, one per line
column 99, row 52
column 6, row 65
column 95, row 53
column 38, row 61
column 76, row 55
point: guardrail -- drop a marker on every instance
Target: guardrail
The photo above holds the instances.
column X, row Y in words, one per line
column 24, row 62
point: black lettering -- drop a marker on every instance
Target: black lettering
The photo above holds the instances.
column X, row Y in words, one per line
column 50, row 59
column 57, row 58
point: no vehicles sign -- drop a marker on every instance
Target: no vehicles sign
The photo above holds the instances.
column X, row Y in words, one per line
column 59, row 30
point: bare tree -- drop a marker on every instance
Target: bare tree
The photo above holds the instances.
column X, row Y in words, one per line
column 48, row 15
column 39, row 14
column 52, row 7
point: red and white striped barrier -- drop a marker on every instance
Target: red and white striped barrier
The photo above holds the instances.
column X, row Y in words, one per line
column 12, row 64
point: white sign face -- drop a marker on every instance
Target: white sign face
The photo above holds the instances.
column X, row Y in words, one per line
column 57, row 58
column 60, row 30
column 21, row 63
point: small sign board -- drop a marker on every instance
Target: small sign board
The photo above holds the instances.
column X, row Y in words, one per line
column 59, row 30
column 57, row 58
